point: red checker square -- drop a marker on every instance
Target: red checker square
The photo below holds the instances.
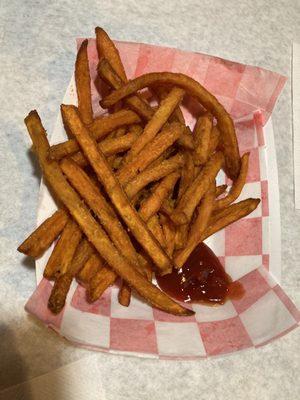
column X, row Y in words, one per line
column 266, row 261
column 223, row 77
column 255, row 287
column 100, row 307
column 264, row 198
column 38, row 305
column 246, row 135
column 224, row 336
column 198, row 67
column 154, row 59
column 181, row 62
column 133, row 335
column 254, row 167
column 258, row 119
column 226, row 102
column 240, row 109
column 166, row 317
column 244, row 237
column 287, row 302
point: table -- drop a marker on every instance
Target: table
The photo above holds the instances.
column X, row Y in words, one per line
column 37, row 40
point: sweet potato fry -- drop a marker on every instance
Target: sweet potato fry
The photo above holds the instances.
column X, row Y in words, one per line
column 160, row 117
column 214, row 140
column 124, row 294
column 202, row 132
column 59, row 293
column 96, row 201
column 63, row 251
column 114, row 190
column 186, row 139
column 89, row 269
column 181, row 236
column 151, row 151
column 237, row 185
column 187, row 173
column 89, row 225
column 198, row 227
column 153, row 174
column 220, row 190
column 228, row 137
column 103, row 278
column 106, row 48
column 101, row 127
column 83, row 84
column 153, row 203
column 156, row 229
column 83, row 252
column 192, row 196
column 39, row 240
column 135, row 102
column 169, row 233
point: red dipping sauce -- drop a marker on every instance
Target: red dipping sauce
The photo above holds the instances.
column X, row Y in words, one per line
column 202, row 279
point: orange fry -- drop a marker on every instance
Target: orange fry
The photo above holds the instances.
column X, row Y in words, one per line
column 202, row 132
column 103, row 278
column 124, row 294
column 89, row 269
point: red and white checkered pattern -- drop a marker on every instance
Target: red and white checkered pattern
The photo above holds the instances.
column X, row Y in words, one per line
column 265, row 312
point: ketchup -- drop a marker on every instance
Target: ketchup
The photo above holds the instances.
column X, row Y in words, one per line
column 202, row 279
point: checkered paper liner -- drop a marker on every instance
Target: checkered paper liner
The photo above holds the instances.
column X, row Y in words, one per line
column 246, row 248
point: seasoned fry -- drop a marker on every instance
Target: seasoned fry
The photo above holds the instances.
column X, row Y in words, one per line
column 107, row 49
column 83, row 251
column 89, row 269
column 101, row 127
column 153, row 203
column 90, row 227
column 153, row 174
column 214, row 140
column 181, row 236
column 156, row 229
column 187, row 173
column 39, row 240
column 192, row 196
column 135, row 103
column 202, row 132
column 160, row 117
column 186, row 139
column 83, row 84
column 109, row 147
column 228, row 138
column 59, row 293
column 237, row 185
column 220, row 190
column 124, row 294
column 103, row 278
column 64, row 250
column 198, row 227
column 150, row 152
column 169, row 233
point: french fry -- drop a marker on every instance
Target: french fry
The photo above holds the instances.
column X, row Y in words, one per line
column 89, row 269
column 83, row 84
column 220, row 190
column 83, row 252
column 202, row 132
column 89, row 225
column 109, row 147
column 100, row 128
column 103, row 278
column 214, row 140
column 106, row 48
column 153, row 174
column 135, row 103
column 187, row 173
column 186, row 139
column 96, row 201
column 169, row 233
column 40, row 240
column 114, row 190
column 59, row 293
column 228, row 137
column 181, row 236
column 192, row 196
column 237, row 185
column 198, row 227
column 153, row 203
column 150, row 152
column 63, row 251
column 155, row 228
column 124, row 294
column 160, row 117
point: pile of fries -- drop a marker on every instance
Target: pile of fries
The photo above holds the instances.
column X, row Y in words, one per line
column 136, row 187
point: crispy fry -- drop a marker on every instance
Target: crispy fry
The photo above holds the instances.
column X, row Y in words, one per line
column 107, row 49
column 169, row 233
column 192, row 196
column 109, row 147
column 150, row 152
column 135, row 103
column 160, row 117
column 101, row 127
column 96, row 201
column 90, row 227
column 220, row 190
column 39, row 240
column 156, row 229
column 114, row 190
column 124, row 294
column 64, row 250
column 181, row 236
column 214, row 140
column 186, row 139
column 198, row 227
column 153, row 203
column 202, row 132
column 228, row 138
column 89, row 269
column 237, row 185
column 187, row 173
column 83, row 251
column 153, row 174
column 83, row 84
column 103, row 278
column 59, row 293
